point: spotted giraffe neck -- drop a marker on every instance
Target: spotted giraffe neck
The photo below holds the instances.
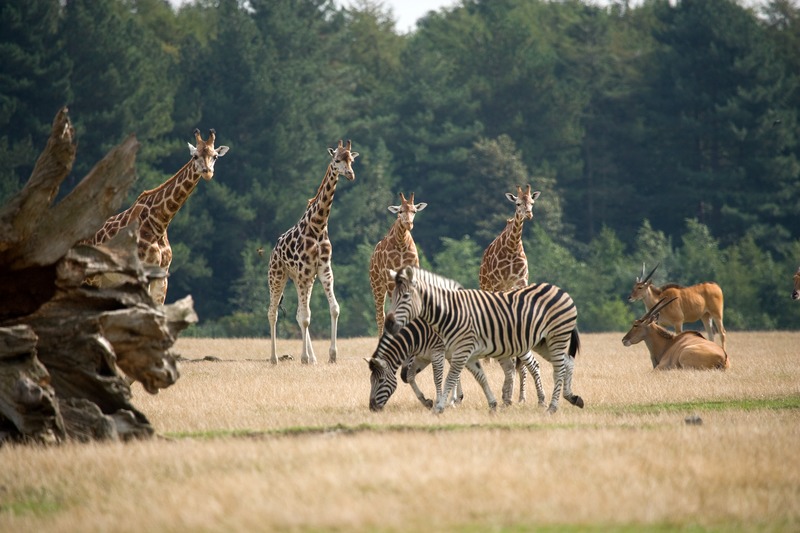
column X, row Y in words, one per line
column 166, row 200
column 400, row 235
column 319, row 207
column 512, row 234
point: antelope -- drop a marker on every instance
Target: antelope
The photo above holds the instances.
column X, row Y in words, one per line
column 796, row 291
column 703, row 301
column 668, row 350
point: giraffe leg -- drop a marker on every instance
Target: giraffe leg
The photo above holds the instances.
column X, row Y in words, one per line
column 277, row 283
column 326, row 277
column 304, row 320
column 379, row 294
column 158, row 290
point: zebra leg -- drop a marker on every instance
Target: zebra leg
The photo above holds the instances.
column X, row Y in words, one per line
column 507, row 364
column 574, row 399
column 457, row 364
column 415, row 367
column 477, row 371
column 523, row 379
column 537, row 380
column 529, row 362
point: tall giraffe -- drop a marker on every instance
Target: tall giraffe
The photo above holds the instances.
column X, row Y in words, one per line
column 505, row 267
column 156, row 208
column 395, row 250
column 303, row 252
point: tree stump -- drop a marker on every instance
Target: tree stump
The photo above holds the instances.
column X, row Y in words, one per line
column 69, row 351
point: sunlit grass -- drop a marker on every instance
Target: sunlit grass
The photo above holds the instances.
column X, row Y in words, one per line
column 247, row 446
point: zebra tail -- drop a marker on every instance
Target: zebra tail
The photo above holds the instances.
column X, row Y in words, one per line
column 574, row 343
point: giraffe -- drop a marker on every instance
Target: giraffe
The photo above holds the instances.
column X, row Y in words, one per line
column 395, row 250
column 155, row 209
column 504, row 266
column 303, row 252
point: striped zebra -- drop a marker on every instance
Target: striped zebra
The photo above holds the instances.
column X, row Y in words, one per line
column 412, row 349
column 501, row 325
column 415, row 342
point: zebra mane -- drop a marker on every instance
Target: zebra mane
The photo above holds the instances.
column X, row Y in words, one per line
column 434, row 280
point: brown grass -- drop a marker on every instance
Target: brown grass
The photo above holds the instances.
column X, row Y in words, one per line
column 252, row 447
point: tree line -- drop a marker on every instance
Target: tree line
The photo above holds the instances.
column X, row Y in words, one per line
column 658, row 133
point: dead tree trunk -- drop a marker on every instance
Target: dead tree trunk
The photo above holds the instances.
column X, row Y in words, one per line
column 68, row 351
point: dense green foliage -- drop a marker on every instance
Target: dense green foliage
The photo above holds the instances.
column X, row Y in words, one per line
column 661, row 132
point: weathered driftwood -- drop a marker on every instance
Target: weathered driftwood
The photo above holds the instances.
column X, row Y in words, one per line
column 69, row 351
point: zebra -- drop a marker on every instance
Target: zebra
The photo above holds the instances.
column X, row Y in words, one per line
column 415, row 345
column 473, row 324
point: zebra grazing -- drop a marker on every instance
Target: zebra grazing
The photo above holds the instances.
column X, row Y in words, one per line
column 413, row 348
column 475, row 324
column 416, row 342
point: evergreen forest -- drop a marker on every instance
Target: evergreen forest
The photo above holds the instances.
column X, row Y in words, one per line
column 658, row 132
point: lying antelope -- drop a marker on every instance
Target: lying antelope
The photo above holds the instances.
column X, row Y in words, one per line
column 675, row 350
column 796, row 291
column 703, row 301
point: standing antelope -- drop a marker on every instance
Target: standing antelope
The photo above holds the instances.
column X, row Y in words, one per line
column 796, row 291
column 668, row 350
column 703, row 301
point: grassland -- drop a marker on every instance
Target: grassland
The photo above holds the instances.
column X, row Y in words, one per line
column 247, row 446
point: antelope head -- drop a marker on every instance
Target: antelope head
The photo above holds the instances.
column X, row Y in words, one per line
column 641, row 285
column 342, row 160
column 640, row 327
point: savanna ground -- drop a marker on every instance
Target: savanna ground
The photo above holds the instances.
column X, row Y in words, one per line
column 247, row 446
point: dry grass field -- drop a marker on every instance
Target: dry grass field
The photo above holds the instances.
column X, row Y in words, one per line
column 246, row 446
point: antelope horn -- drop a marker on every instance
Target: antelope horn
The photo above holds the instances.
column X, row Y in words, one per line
column 662, row 303
column 651, row 272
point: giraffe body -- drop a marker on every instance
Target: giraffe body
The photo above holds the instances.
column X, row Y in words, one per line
column 155, row 209
column 504, row 266
column 394, row 251
column 303, row 253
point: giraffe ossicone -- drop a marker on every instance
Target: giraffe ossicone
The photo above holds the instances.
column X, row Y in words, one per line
column 303, row 253
column 155, row 208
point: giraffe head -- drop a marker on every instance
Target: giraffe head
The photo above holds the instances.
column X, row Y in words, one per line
column 407, row 210
column 524, row 202
column 342, row 160
column 204, row 155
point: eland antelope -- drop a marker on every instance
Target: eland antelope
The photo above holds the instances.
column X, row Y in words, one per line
column 703, row 301
column 668, row 350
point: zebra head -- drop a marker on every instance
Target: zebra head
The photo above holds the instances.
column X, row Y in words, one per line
column 383, row 383
column 406, row 303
